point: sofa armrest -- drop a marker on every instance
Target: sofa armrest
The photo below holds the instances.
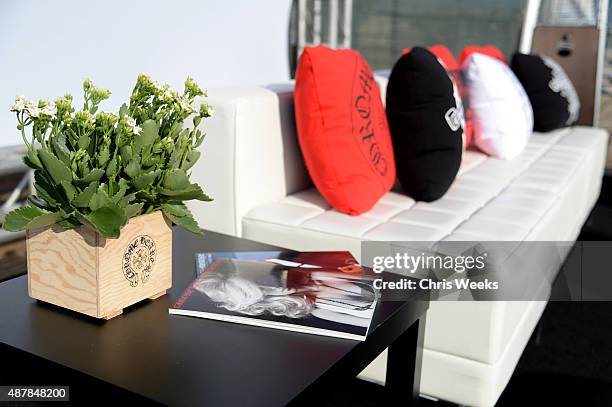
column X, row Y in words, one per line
column 250, row 155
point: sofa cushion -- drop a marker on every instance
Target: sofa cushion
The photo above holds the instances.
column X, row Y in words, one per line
column 426, row 121
column 489, row 193
column 503, row 119
column 552, row 95
column 342, row 129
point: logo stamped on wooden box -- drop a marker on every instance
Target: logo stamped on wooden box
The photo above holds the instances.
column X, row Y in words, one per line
column 138, row 260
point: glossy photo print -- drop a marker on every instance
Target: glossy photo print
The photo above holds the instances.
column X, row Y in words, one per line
column 324, row 293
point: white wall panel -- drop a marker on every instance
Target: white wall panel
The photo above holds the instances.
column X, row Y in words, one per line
column 48, row 47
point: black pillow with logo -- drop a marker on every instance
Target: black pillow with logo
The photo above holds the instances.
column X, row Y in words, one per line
column 426, row 120
column 552, row 95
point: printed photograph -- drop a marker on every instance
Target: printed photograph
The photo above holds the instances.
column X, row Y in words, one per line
column 308, row 291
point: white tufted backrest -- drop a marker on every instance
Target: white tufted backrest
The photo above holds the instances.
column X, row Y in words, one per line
column 250, row 156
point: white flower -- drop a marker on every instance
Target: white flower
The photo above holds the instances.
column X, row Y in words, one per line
column 211, row 110
column 21, row 104
column 185, row 105
column 33, row 111
column 131, row 123
column 50, row 109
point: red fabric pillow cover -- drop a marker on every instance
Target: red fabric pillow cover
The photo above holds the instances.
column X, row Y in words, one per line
column 448, row 61
column 489, row 50
column 342, row 129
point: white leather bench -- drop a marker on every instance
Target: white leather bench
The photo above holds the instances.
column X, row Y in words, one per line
column 252, row 167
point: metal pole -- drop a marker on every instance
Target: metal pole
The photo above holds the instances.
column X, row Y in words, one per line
column 602, row 24
column 316, row 22
column 529, row 23
column 12, row 199
column 347, row 26
column 333, row 23
column 301, row 18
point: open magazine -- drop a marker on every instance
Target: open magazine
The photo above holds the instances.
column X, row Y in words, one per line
column 323, row 293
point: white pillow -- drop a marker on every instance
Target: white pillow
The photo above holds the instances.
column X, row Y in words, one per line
column 503, row 117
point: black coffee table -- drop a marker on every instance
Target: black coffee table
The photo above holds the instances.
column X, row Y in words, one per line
column 147, row 355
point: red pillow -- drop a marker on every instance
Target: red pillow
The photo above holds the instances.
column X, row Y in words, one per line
column 342, row 129
column 445, row 56
column 489, row 50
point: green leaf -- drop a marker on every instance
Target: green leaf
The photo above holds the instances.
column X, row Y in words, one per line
column 39, row 202
column 151, row 161
column 146, row 179
column 83, row 141
column 175, row 129
column 146, row 196
column 179, row 150
column 199, row 138
column 126, row 153
column 93, row 176
column 176, row 209
column 123, row 110
column 193, row 192
column 157, row 148
column 112, row 187
column 107, row 220
column 190, row 160
column 59, row 148
column 99, row 199
column 103, row 156
column 123, row 183
column 69, row 190
column 54, row 167
column 113, row 167
column 116, row 198
column 186, row 221
column 29, row 217
column 42, row 193
column 69, row 223
column 133, row 168
column 133, row 209
column 123, row 202
column 45, row 189
column 31, row 160
column 150, row 132
column 176, row 180
column 83, row 198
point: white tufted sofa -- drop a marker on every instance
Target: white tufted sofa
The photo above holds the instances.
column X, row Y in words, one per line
column 253, row 168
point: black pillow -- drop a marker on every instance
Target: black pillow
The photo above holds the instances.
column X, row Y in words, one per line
column 426, row 124
column 552, row 95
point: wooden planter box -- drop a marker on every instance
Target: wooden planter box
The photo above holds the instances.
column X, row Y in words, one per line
column 80, row 270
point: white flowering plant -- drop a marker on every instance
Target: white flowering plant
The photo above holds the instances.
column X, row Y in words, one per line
column 100, row 169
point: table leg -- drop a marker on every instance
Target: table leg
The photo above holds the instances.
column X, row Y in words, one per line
column 404, row 360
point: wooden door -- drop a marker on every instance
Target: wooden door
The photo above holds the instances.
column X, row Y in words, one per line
column 575, row 49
